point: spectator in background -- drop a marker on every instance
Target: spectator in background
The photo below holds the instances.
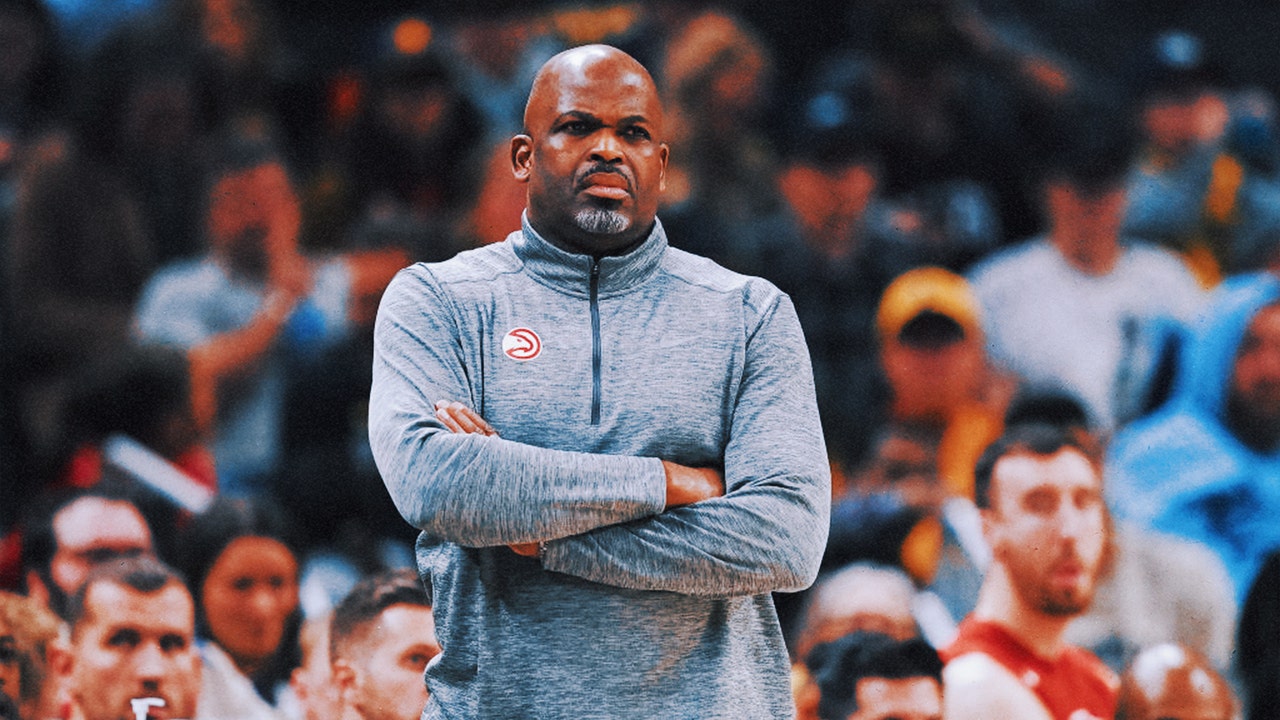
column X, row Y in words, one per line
column 412, row 154
column 1172, row 682
column 31, row 87
column 1205, row 185
column 27, row 634
column 1039, row 489
column 68, row 534
column 716, row 76
column 251, row 306
column 244, row 576
column 382, row 637
column 868, row 676
column 132, row 638
column 834, row 248
column 1083, row 308
column 77, row 259
column 1205, row 467
column 861, row 597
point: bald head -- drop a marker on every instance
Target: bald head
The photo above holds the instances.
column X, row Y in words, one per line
column 1175, row 682
column 585, row 65
column 592, row 151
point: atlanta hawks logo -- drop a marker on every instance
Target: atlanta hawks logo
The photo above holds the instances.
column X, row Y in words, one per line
column 522, row 344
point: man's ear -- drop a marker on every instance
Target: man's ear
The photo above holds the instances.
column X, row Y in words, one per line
column 345, row 679
column 664, row 154
column 521, row 157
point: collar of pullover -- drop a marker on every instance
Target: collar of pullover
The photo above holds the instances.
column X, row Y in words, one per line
column 571, row 272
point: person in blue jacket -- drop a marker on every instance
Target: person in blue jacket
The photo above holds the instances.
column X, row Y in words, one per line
column 1207, row 465
column 611, row 446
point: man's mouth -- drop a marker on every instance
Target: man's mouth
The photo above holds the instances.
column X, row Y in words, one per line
column 606, row 186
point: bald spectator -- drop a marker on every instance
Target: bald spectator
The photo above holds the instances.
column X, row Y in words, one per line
column 381, row 638
column 1173, row 682
column 71, row 535
column 133, row 644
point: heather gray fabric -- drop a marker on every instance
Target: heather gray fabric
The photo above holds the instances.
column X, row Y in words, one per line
column 632, row 612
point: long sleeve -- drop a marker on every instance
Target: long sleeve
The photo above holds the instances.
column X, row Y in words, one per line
column 473, row 490
column 769, row 531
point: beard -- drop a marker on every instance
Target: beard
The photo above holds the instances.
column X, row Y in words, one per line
column 600, row 221
column 1036, row 590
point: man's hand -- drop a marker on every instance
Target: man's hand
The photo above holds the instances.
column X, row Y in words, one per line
column 688, row 485
column 463, row 420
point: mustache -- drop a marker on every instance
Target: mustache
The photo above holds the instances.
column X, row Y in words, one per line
column 580, row 180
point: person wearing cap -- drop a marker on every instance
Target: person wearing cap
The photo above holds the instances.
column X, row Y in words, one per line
column 911, row 505
column 1203, row 184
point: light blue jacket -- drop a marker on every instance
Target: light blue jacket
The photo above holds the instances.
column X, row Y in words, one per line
column 1181, row 470
column 592, row 371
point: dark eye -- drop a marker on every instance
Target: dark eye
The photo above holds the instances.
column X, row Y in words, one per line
column 124, row 637
column 635, row 131
column 575, row 127
column 242, row 584
column 173, row 643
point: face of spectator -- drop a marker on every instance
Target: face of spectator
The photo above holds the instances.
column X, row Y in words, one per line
column 253, row 217
column 91, row 531
column 1086, row 225
column 829, row 201
column 931, row 380
column 1173, row 124
column 248, row 597
column 593, row 159
column 1047, row 528
column 1255, row 381
column 387, row 662
column 135, row 645
column 918, row 698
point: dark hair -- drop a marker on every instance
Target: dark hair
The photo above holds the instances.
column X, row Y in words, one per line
column 40, row 543
column 1090, row 145
column 1033, row 438
column 1049, row 405
column 369, row 597
column 226, row 520
column 839, row 665
column 143, row 574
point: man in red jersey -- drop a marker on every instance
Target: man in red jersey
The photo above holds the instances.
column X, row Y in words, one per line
column 1039, row 489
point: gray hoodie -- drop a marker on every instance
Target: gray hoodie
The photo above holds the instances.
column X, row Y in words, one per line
column 592, row 371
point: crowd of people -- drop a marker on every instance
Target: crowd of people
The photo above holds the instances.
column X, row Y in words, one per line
column 981, row 230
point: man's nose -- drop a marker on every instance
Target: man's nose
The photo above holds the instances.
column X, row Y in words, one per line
column 150, row 664
column 606, row 148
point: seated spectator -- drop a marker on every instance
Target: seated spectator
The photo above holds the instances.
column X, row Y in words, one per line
column 1205, row 466
column 1171, row 682
column 1204, row 186
column 244, row 576
column 862, row 597
column 381, row 638
column 1083, row 308
column 68, row 534
column 27, row 633
column 242, row 311
column 132, row 644
column 868, row 676
column 1039, row 489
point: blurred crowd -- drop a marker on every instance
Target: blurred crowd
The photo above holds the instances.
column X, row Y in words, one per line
column 980, row 216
